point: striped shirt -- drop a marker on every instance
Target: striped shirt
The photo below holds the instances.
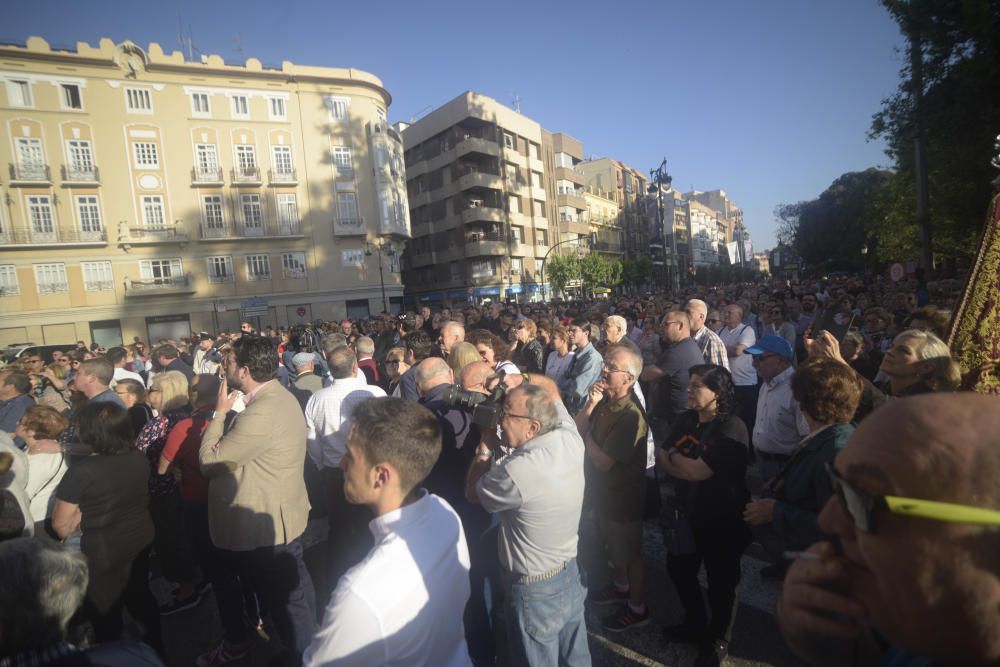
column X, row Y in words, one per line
column 712, row 347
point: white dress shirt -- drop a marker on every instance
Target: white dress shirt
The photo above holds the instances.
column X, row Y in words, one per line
column 403, row 604
column 780, row 425
column 328, row 418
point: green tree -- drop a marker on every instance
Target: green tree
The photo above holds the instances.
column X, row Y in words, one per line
column 959, row 62
column 594, row 271
column 560, row 269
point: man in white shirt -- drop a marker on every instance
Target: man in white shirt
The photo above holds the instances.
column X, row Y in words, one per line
column 779, row 426
column 403, row 604
column 737, row 337
column 206, row 359
column 328, row 418
column 121, row 359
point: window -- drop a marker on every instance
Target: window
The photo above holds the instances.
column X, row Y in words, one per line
column 342, row 158
column 220, row 269
column 241, row 106
column 281, row 157
column 97, row 277
column 293, row 265
column 541, row 238
column 8, row 280
column 537, row 208
column 152, row 211
column 398, row 209
column 381, row 156
column 352, row 258
column 337, row 107
column 51, row 278
column 454, row 271
column 516, row 266
column 288, row 213
column 147, row 155
column 81, row 158
column 30, row 159
column 347, row 206
column 258, row 267
column 253, row 215
column 509, row 141
column 89, row 214
column 246, row 159
column 385, row 207
column 536, row 151
column 207, row 162
column 161, row 271
column 276, row 108
column 483, row 267
column 517, row 234
column 19, row 93
column 212, row 214
column 536, row 179
column 40, row 215
column 200, row 105
column 514, row 204
column 138, row 100
column 539, row 263
column 69, row 96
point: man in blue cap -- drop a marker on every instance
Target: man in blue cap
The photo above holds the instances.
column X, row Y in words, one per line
column 780, row 425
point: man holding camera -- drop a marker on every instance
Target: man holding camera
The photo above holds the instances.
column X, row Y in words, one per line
column 537, row 492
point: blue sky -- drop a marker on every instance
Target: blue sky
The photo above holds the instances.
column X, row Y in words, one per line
column 769, row 100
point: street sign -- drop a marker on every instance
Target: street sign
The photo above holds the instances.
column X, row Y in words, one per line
column 253, row 307
column 574, row 283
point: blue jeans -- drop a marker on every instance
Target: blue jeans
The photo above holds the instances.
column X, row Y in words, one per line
column 545, row 623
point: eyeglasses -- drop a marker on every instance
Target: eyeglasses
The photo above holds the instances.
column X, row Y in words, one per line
column 761, row 358
column 861, row 506
column 612, row 369
column 154, row 391
column 393, row 362
column 504, row 413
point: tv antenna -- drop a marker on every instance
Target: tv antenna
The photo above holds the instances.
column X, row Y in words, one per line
column 516, row 101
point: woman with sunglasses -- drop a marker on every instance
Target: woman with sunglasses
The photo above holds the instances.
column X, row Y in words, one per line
column 395, row 365
column 828, row 393
column 527, row 353
column 706, row 455
column 493, row 351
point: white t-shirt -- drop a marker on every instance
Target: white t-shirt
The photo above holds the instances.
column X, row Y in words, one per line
column 122, row 374
column 44, row 474
column 403, row 604
column 742, row 366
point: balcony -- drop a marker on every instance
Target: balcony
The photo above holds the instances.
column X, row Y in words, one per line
column 30, row 174
column 57, row 236
column 573, row 199
column 283, row 177
column 207, row 176
column 151, row 234
column 246, row 176
column 609, row 247
column 477, row 145
column 571, row 174
column 159, row 286
column 485, row 244
column 239, row 231
column 80, row 175
column 349, row 227
column 482, row 214
column 478, row 179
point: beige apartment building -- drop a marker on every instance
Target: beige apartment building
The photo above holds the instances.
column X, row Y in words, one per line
column 603, row 217
column 627, row 188
column 482, row 202
column 148, row 196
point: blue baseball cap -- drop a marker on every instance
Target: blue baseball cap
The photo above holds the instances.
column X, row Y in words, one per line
column 773, row 344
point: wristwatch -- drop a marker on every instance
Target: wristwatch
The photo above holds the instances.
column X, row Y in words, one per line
column 484, row 454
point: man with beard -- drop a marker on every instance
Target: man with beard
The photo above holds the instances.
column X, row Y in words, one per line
column 257, row 501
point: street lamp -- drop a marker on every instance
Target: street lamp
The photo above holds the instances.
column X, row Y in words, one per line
column 591, row 241
column 661, row 178
column 380, row 247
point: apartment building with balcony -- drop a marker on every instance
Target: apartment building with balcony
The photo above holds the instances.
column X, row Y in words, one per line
column 627, row 188
column 603, row 218
column 708, row 234
column 146, row 195
column 480, row 195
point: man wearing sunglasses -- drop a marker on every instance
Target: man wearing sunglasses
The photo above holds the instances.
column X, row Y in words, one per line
column 916, row 515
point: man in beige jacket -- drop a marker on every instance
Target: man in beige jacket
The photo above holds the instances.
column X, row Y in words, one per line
column 257, row 502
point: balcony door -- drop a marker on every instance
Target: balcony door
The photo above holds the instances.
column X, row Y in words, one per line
column 30, row 158
column 40, row 213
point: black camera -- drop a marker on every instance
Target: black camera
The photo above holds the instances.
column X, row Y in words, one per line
column 485, row 408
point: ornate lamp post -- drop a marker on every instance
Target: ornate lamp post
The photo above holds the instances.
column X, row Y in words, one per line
column 380, row 247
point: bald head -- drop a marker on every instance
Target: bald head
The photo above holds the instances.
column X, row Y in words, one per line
column 452, row 333
column 936, row 446
column 432, row 372
column 697, row 311
column 474, row 376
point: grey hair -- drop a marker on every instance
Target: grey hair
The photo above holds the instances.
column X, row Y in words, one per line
column 633, row 362
column 698, row 306
column 432, row 368
column 452, row 323
column 342, row 361
column 41, row 587
column 331, row 342
column 540, row 406
column 618, row 321
column 365, row 345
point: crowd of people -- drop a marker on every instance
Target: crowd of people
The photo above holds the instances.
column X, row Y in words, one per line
column 457, row 459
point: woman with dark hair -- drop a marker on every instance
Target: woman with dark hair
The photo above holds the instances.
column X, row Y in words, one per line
column 105, row 495
column 493, row 351
column 706, row 455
